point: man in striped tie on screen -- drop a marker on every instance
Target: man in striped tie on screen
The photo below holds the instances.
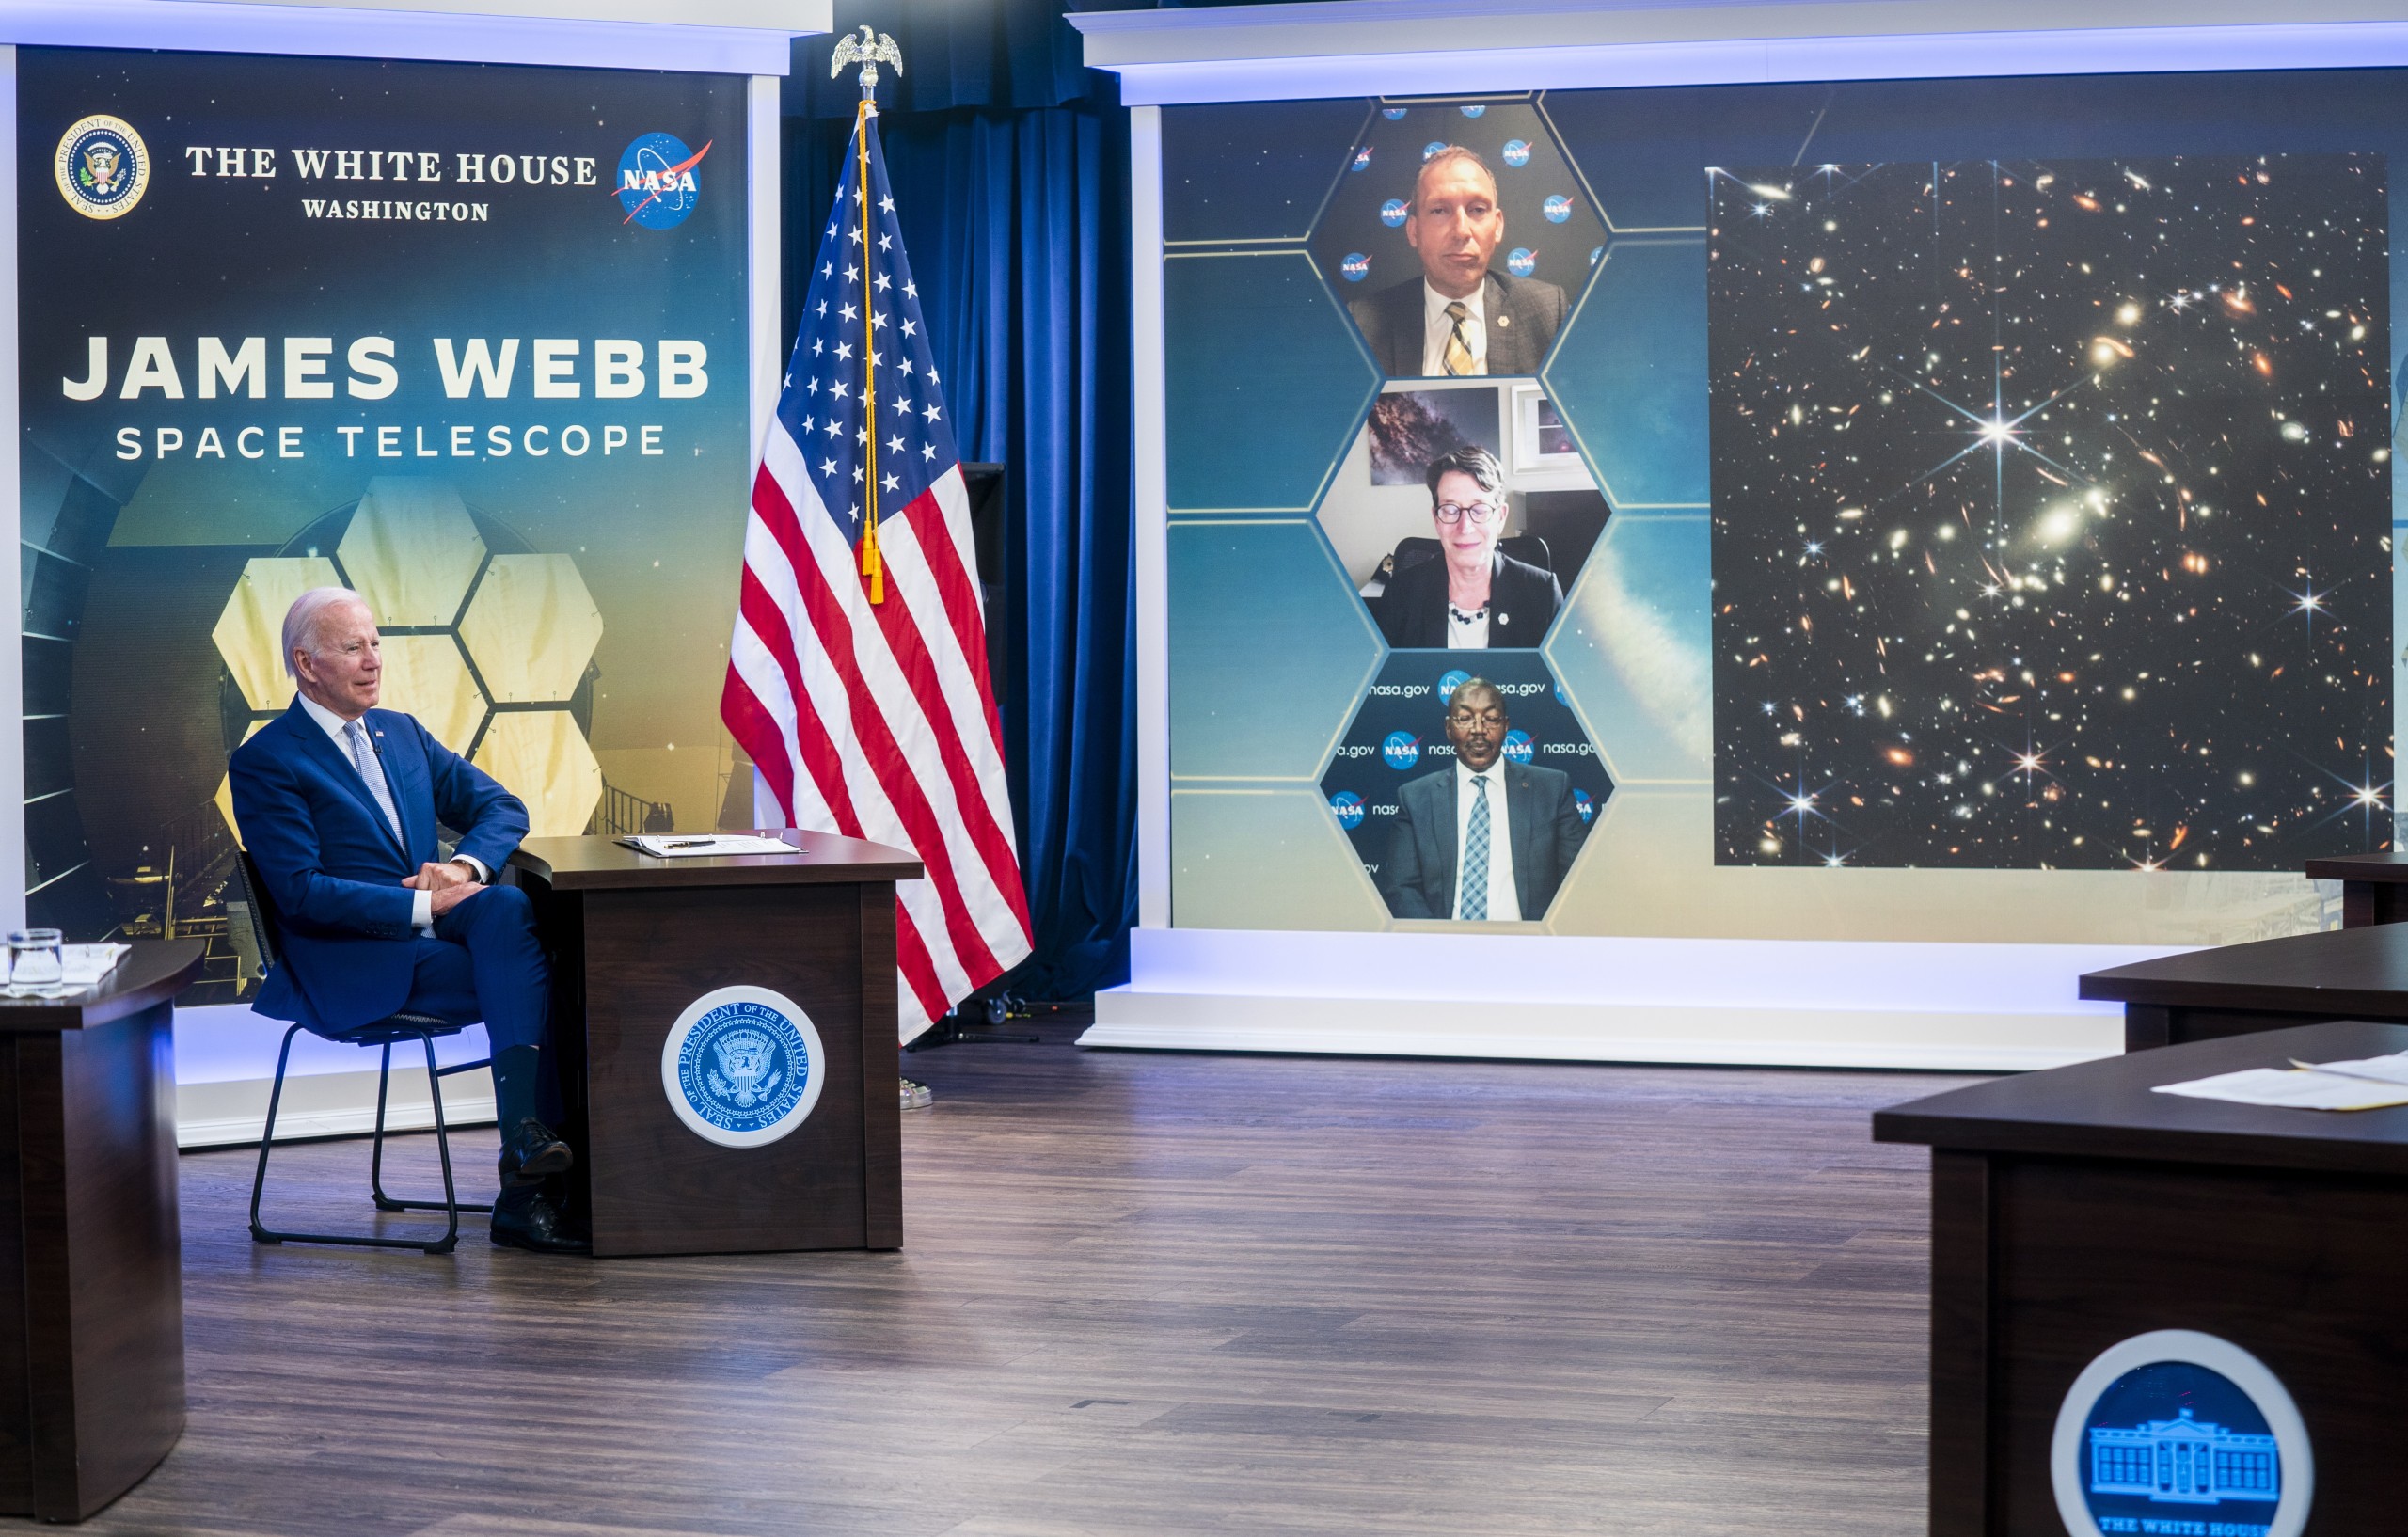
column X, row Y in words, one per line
column 857, row 678
column 1485, row 839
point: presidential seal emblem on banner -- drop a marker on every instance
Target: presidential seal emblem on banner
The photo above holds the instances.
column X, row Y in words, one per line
column 742, row 1067
column 103, row 167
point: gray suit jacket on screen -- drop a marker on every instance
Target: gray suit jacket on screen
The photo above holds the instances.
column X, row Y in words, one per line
column 1418, row 875
column 1523, row 315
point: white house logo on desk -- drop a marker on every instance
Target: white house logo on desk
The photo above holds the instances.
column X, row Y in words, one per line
column 742, row 1067
column 2177, row 1432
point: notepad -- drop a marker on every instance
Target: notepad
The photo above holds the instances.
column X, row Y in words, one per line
column 2297, row 1088
column 699, row 845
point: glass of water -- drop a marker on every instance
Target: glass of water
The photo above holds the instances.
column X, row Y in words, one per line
column 35, row 970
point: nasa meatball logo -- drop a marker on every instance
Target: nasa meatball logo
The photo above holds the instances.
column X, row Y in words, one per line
column 1517, row 746
column 1475, row 111
column 2176, row 1431
column 1586, row 805
column 1355, row 266
column 103, row 167
column 1392, row 212
column 1362, row 158
column 742, row 1067
column 1393, row 114
column 1517, row 152
column 1448, row 682
column 1522, row 261
column 1349, row 809
column 1557, row 208
column 657, row 182
column 1432, row 148
column 1400, row 750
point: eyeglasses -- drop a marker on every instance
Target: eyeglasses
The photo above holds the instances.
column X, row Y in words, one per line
column 1480, row 513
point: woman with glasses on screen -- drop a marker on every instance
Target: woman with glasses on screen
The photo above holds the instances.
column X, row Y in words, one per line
column 1473, row 597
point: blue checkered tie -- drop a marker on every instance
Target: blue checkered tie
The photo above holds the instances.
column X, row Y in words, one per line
column 1475, row 889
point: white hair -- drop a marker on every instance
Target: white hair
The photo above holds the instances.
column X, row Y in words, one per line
column 301, row 620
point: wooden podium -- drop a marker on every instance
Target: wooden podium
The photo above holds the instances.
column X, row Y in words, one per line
column 2073, row 1209
column 91, row 1257
column 634, row 940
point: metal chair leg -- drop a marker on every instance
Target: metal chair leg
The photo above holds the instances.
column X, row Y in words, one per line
column 377, row 1140
column 443, row 1147
column 268, row 1140
column 443, row 1142
column 263, row 1234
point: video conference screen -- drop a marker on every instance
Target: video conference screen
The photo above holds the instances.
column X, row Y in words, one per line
column 1953, row 509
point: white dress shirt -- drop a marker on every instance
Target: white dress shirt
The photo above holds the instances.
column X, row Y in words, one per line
column 1437, row 325
column 1503, row 906
column 421, row 903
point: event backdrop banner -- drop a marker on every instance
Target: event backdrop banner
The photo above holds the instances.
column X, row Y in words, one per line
column 1954, row 511
column 469, row 339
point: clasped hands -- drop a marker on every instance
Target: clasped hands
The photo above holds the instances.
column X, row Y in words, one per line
column 449, row 885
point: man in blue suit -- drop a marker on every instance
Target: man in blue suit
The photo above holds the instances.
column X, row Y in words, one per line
column 338, row 803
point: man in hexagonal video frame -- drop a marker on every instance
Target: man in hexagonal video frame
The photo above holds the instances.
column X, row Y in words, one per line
column 1461, row 316
column 1483, row 840
column 339, row 803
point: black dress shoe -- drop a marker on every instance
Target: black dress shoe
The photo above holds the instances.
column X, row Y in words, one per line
column 531, row 1151
column 523, row 1219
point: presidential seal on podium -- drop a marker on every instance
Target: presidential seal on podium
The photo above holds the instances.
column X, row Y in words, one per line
column 742, row 1067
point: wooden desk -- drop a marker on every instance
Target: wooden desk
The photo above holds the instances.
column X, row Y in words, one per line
column 635, row 940
column 2351, row 974
column 2374, row 887
column 2073, row 1209
column 91, row 1285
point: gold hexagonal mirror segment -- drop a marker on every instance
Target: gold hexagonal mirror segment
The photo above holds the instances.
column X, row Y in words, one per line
column 541, row 757
column 531, row 627
column 425, row 676
column 411, row 551
column 224, row 796
column 250, row 630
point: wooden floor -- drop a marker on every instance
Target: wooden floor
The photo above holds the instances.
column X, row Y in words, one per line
column 1142, row 1294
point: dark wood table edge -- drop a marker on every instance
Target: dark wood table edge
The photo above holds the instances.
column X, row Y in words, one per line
column 1994, row 1118
column 2388, row 869
column 819, row 865
column 144, row 979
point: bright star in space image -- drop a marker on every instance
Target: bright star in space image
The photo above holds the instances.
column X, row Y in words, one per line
column 2051, row 512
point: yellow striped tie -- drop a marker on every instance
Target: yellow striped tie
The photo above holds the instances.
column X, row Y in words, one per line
column 1459, row 358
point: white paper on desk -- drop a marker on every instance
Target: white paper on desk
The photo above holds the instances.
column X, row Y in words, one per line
column 2293, row 1089
column 670, row 846
column 2386, row 1070
column 83, row 965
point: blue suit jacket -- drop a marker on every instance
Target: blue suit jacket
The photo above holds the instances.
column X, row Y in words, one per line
column 331, row 866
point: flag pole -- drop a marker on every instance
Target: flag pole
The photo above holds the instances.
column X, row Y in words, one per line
column 873, row 564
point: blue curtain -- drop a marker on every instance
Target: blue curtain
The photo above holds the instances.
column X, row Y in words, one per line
column 1010, row 175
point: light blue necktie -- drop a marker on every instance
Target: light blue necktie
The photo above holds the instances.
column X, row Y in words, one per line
column 1475, row 887
column 363, row 757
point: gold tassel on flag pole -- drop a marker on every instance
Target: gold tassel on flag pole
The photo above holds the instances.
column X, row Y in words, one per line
column 869, row 49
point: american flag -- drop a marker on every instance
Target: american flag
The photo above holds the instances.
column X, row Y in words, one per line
column 857, row 679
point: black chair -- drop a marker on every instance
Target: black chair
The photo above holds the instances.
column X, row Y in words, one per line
column 256, row 912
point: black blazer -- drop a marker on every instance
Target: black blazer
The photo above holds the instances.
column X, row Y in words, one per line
column 1522, row 601
column 1523, row 316
column 1541, row 824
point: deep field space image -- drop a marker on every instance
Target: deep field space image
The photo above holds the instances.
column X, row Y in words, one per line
column 2051, row 512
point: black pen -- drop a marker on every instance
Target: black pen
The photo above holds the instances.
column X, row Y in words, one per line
column 691, row 842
